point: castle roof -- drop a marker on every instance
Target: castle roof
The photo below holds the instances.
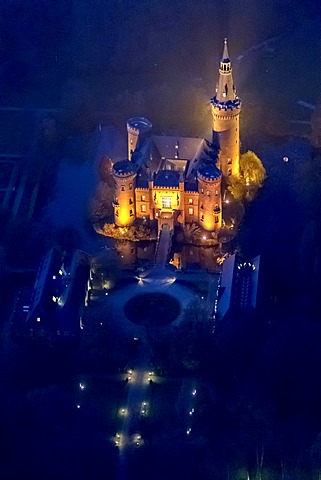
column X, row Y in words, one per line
column 184, row 148
column 209, row 172
column 124, row 168
column 225, row 92
column 167, row 178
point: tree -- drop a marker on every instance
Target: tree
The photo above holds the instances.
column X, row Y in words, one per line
column 252, row 169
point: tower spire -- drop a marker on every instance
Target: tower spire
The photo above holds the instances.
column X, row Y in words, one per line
column 225, row 51
column 226, row 90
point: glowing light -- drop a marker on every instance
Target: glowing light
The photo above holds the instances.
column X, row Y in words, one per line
column 204, row 238
column 78, row 406
column 194, row 392
column 38, row 319
column 81, row 386
column 188, row 431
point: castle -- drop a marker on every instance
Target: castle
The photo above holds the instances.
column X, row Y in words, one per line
column 178, row 180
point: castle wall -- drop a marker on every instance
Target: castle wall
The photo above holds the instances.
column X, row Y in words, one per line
column 210, row 203
column 124, row 202
column 142, row 202
column 191, row 205
column 226, row 131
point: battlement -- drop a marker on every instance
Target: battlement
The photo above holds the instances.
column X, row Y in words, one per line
column 124, row 168
column 139, row 125
column 209, row 173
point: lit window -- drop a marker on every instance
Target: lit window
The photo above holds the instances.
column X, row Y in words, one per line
column 130, row 186
column 131, row 141
column 191, row 211
column 122, row 188
column 54, row 299
column 202, row 190
column 208, row 193
column 38, row 319
column 143, row 198
column 190, row 201
column 166, row 202
column 216, row 193
column 143, row 208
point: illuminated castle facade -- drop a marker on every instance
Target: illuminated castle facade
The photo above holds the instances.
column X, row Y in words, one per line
column 178, row 180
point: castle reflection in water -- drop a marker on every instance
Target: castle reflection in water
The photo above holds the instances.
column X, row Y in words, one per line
column 141, row 254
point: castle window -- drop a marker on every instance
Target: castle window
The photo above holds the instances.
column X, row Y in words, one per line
column 117, row 213
column 143, row 198
column 202, row 217
column 229, row 172
column 130, row 186
column 216, row 218
column 122, row 188
column 191, row 211
column 131, row 201
column 216, row 193
column 190, row 201
column 131, row 212
column 201, row 207
column 229, row 161
column 166, row 202
column 208, row 193
column 202, row 190
column 131, row 141
column 143, row 208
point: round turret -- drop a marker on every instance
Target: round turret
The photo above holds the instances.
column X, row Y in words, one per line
column 124, row 168
column 124, row 174
column 137, row 128
column 210, row 202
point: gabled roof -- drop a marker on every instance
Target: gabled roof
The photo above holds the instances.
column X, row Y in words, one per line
column 184, row 148
column 167, row 178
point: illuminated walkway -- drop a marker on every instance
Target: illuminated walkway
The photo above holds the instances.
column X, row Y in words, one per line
column 129, row 436
column 163, row 246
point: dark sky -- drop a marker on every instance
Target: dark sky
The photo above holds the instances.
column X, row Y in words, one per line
column 90, row 53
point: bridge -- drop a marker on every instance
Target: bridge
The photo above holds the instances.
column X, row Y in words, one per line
column 163, row 246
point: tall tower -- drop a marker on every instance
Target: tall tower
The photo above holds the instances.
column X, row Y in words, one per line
column 124, row 174
column 226, row 107
column 210, row 201
column 137, row 128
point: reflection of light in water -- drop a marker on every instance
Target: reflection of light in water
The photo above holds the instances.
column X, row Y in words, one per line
column 156, row 275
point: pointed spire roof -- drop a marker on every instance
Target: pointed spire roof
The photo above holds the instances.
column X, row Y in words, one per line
column 225, row 56
column 225, row 90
